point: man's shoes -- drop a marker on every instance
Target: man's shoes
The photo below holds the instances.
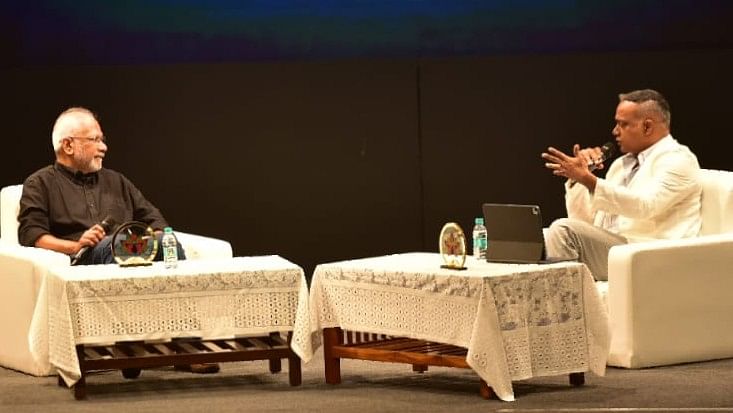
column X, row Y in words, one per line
column 202, row 368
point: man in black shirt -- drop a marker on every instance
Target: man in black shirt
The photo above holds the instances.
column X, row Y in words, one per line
column 63, row 204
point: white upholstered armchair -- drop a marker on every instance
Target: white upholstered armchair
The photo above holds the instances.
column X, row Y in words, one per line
column 671, row 301
column 22, row 269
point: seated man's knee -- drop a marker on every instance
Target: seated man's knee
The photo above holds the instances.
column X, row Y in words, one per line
column 559, row 228
column 559, row 239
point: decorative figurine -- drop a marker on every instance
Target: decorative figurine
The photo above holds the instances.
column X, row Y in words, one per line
column 133, row 244
column 452, row 244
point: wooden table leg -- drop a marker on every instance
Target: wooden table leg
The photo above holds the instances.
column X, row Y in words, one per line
column 275, row 366
column 80, row 388
column 276, row 363
column 294, row 373
column 577, row 379
column 131, row 373
column 486, row 391
column 419, row 368
column 332, row 337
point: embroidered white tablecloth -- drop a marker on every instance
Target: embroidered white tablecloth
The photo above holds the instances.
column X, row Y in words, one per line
column 223, row 298
column 516, row 320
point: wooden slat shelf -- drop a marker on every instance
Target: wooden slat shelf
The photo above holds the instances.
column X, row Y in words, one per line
column 133, row 356
column 338, row 344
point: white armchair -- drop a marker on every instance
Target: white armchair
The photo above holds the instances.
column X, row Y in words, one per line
column 22, row 269
column 671, row 301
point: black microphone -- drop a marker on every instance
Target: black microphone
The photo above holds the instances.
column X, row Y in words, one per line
column 107, row 224
column 608, row 151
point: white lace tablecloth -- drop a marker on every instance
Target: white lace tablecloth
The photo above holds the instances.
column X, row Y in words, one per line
column 517, row 320
column 223, row 298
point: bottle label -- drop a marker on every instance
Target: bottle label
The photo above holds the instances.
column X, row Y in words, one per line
column 170, row 253
column 480, row 245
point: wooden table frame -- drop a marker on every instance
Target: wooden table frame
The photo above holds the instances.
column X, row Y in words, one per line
column 132, row 356
column 338, row 344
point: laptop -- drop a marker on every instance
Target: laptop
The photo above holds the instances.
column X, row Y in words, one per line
column 515, row 234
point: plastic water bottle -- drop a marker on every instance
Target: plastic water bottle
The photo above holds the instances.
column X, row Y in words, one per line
column 480, row 239
column 170, row 248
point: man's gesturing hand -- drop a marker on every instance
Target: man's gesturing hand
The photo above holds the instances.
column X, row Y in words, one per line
column 573, row 167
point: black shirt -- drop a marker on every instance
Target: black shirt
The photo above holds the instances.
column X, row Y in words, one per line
column 64, row 203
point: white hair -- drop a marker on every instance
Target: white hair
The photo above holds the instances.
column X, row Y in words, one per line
column 67, row 122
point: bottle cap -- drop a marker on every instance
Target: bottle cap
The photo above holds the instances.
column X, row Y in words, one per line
column 168, row 230
column 479, row 221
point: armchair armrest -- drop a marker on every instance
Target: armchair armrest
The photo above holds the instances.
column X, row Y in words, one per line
column 670, row 301
column 200, row 247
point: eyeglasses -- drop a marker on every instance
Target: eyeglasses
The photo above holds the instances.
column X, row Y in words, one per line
column 96, row 139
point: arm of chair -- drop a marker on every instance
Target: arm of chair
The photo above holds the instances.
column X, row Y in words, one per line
column 200, row 247
column 671, row 301
column 21, row 271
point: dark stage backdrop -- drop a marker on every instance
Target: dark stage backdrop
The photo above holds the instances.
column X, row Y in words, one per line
column 322, row 161
column 495, row 116
column 324, row 130
column 313, row 161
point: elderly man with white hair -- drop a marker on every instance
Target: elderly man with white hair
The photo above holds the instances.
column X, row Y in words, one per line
column 63, row 204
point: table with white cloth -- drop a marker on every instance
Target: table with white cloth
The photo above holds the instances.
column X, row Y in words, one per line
column 90, row 307
column 516, row 320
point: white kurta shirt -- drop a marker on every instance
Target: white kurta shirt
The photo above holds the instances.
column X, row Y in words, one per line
column 662, row 201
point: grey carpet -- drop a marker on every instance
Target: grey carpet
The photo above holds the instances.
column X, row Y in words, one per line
column 372, row 386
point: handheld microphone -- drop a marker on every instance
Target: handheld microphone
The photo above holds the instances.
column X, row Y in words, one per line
column 608, row 151
column 107, row 224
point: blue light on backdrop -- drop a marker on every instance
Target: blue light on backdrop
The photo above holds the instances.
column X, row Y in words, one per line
column 168, row 31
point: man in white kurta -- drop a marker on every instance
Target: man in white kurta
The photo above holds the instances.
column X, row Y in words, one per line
column 652, row 192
